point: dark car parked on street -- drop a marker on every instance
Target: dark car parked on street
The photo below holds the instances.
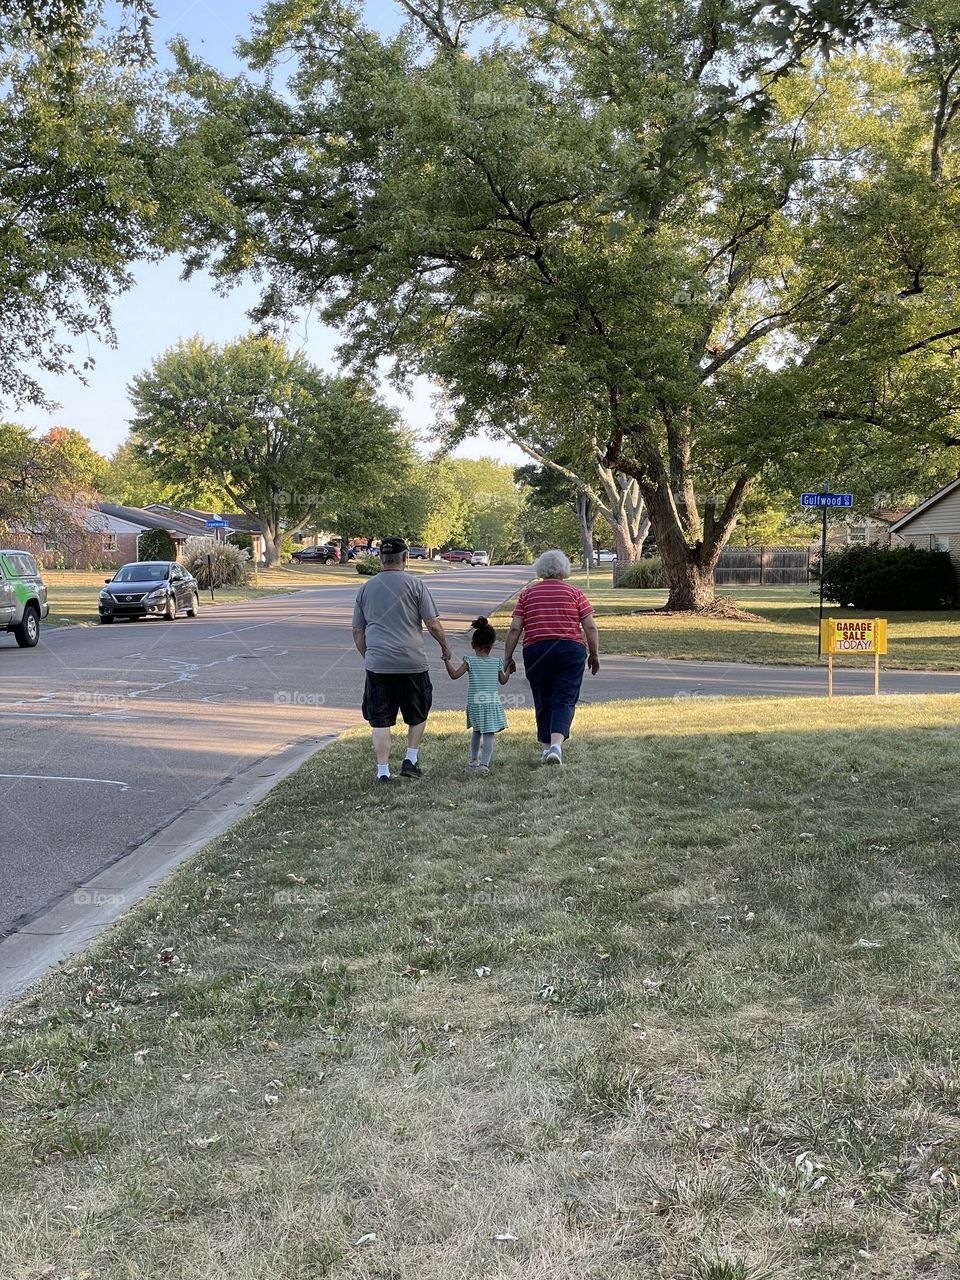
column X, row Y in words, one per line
column 149, row 589
column 418, row 553
column 326, row 553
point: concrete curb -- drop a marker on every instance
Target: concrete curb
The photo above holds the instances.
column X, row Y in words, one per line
column 80, row 917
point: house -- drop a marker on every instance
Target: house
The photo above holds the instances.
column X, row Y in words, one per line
column 876, row 529
column 935, row 523
column 236, row 522
column 120, row 528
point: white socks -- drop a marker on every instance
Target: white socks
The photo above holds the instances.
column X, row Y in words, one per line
column 412, row 753
column 383, row 771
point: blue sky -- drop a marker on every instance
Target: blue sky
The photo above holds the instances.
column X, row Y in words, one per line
column 161, row 308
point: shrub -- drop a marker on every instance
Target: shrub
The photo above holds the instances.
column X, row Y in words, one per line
column 841, row 570
column 230, row 563
column 244, row 541
column 891, row 578
column 640, row 574
column 369, row 565
column 156, row 544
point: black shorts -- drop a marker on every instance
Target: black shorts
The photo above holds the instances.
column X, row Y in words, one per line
column 384, row 694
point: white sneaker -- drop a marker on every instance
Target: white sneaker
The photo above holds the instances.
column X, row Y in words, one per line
column 553, row 756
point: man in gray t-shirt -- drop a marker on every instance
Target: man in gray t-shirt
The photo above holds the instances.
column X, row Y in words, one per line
column 390, row 613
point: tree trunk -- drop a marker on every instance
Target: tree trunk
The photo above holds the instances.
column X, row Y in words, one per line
column 626, row 512
column 271, row 548
column 689, row 568
column 586, row 519
column 691, row 584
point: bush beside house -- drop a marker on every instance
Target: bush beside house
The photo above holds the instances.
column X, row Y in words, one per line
column 891, row 578
column 156, row 544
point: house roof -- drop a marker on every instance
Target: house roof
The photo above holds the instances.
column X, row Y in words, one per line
column 144, row 519
column 238, row 522
column 925, row 506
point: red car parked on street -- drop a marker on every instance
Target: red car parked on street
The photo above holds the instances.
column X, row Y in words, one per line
column 454, row 556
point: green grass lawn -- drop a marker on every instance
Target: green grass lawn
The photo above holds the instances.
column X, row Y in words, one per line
column 685, row 1009
column 787, row 632
column 73, row 594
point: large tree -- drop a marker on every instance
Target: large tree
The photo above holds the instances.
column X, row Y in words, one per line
column 44, row 488
column 278, row 439
column 728, row 252
column 88, row 183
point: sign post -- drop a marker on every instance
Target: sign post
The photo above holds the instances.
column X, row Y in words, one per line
column 854, row 635
column 210, row 572
column 824, row 501
column 216, row 524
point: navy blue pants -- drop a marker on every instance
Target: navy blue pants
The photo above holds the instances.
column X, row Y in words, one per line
column 554, row 671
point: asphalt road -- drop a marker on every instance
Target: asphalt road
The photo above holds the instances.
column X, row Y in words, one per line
column 110, row 732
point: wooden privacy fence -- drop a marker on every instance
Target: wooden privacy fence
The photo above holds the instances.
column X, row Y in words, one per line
column 752, row 567
column 763, row 566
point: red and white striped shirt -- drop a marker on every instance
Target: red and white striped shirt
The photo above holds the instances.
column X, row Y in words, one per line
column 552, row 610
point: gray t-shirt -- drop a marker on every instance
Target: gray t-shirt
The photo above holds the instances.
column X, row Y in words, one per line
column 391, row 608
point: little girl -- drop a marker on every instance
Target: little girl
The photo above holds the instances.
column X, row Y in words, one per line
column 485, row 714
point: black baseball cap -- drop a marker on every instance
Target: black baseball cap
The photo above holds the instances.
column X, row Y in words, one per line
column 392, row 546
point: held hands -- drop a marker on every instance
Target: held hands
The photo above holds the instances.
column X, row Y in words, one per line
column 593, row 662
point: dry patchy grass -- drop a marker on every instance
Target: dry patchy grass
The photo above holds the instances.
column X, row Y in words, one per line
column 686, row 1008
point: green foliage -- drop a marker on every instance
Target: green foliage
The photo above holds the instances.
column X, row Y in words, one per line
column 156, row 544
column 278, row 438
column 367, row 566
column 648, row 572
column 88, row 186
column 706, row 253
column 42, row 487
column 230, row 566
column 840, row 571
column 129, row 480
column 891, row 578
column 542, row 528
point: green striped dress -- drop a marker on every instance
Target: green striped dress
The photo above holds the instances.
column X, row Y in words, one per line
column 484, row 709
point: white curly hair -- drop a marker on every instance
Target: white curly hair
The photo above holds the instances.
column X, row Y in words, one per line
column 552, row 564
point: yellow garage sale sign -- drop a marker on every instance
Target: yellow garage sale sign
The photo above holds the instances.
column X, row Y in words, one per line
column 854, row 635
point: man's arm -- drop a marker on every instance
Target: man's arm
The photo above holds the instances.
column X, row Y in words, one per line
column 513, row 639
column 360, row 640
column 435, row 627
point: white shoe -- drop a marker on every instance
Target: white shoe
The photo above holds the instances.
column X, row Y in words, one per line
column 553, row 756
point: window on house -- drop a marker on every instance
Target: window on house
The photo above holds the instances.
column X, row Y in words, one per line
column 943, row 542
column 858, row 534
column 111, row 542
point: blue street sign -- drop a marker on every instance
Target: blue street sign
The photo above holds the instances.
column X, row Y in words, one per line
column 217, row 522
column 826, row 499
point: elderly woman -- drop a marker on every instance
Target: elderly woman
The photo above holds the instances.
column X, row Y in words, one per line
column 554, row 618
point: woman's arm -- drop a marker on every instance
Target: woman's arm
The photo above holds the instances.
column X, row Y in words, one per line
column 513, row 639
column 455, row 672
column 593, row 643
